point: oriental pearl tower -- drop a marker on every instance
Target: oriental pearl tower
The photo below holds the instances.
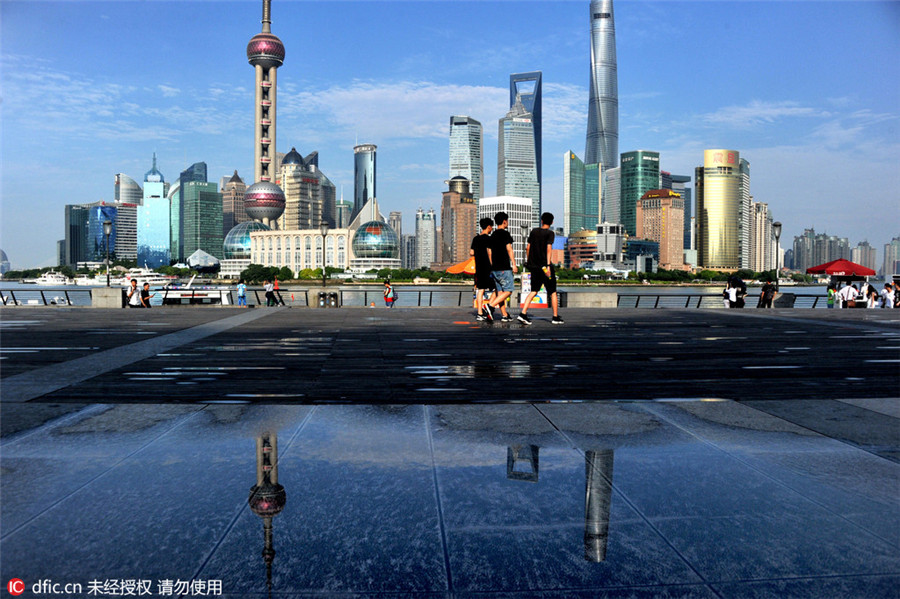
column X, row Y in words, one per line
column 264, row 200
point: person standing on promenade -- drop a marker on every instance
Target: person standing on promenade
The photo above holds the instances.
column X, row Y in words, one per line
column 481, row 251
column 848, row 294
column 830, row 293
column 134, row 295
column 389, row 295
column 270, row 293
column 242, row 293
column 767, row 294
column 887, row 296
column 537, row 261
column 503, row 265
column 146, row 295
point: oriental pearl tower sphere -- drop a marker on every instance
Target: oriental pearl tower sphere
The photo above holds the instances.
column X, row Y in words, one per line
column 264, row 200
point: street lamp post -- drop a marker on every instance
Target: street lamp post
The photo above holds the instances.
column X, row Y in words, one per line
column 776, row 229
column 323, row 228
column 107, row 230
column 524, row 229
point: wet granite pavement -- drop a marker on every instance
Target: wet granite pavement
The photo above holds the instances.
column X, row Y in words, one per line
column 648, row 485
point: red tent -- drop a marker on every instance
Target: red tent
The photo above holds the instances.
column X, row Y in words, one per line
column 841, row 268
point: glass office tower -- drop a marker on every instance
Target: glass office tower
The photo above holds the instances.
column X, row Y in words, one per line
column 602, row 143
column 202, row 225
column 719, row 185
column 517, row 169
column 466, row 152
column 195, row 172
column 527, row 88
column 363, row 176
column 639, row 173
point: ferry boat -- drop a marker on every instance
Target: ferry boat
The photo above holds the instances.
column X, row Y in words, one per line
column 51, row 278
column 145, row 275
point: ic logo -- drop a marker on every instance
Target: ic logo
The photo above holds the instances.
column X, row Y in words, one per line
column 15, row 586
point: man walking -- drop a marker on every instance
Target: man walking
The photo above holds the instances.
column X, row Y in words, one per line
column 537, row 261
column 481, row 251
column 503, row 265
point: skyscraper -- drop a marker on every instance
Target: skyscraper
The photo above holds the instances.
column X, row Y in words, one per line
column 720, row 186
column 233, row 213
column 194, row 173
column 660, row 218
column 426, row 237
column 527, row 88
column 363, row 176
column 581, row 194
column 202, row 224
column 639, row 174
column 127, row 190
column 519, row 212
column 602, row 143
column 762, row 239
column 466, row 150
column 153, row 235
column 395, row 220
column 517, row 166
column 458, row 221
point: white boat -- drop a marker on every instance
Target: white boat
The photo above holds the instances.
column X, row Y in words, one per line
column 51, row 278
column 145, row 275
column 195, row 295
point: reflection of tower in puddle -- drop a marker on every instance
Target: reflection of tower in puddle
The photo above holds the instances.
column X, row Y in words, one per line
column 267, row 497
column 527, row 454
column 597, row 499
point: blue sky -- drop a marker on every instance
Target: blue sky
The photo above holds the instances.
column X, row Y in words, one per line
column 808, row 92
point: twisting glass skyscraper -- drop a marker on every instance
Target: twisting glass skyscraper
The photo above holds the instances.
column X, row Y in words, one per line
column 602, row 144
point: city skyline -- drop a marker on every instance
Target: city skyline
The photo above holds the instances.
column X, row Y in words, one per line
column 806, row 110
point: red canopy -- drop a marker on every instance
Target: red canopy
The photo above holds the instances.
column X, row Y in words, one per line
column 841, row 268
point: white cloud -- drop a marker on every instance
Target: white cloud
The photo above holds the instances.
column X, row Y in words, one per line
column 168, row 91
column 757, row 113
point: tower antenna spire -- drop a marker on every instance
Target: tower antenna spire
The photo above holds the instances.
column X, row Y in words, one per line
column 267, row 16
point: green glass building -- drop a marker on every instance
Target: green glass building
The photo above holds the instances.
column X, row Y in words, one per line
column 202, row 227
column 639, row 174
column 581, row 194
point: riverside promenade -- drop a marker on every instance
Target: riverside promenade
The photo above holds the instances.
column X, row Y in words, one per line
column 626, row 453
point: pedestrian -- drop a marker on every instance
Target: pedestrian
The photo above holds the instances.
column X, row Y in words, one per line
column 543, row 274
column 146, row 295
column 134, row 295
column 732, row 291
column 726, row 295
column 871, row 296
column 270, row 293
column 767, row 295
column 848, row 295
column 887, row 296
column 389, row 294
column 830, row 293
column 242, row 293
column 481, row 251
column 503, row 265
column 276, row 293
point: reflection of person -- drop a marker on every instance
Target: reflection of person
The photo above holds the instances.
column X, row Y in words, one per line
column 146, row 295
column 134, row 295
column 503, row 264
column 537, row 261
column 481, row 251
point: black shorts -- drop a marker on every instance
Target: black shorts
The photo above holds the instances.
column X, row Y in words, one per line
column 539, row 279
column 484, row 281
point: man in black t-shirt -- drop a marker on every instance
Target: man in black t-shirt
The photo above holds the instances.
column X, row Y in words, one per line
column 503, row 264
column 481, row 250
column 537, row 261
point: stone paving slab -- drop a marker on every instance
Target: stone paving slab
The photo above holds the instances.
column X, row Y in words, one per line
column 610, row 499
column 441, row 354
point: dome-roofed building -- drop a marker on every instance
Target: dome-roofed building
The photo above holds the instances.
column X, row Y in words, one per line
column 237, row 248
column 237, row 241
column 375, row 246
column 293, row 157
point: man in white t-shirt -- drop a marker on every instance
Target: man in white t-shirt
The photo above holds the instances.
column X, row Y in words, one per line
column 847, row 294
column 887, row 296
column 134, row 295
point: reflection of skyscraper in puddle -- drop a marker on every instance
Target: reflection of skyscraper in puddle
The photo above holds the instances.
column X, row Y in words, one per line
column 267, row 497
column 522, row 453
column 598, row 467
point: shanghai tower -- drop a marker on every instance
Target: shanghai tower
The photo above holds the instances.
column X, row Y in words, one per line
column 602, row 143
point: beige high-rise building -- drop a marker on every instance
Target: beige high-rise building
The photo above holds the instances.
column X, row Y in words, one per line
column 458, row 221
column 721, row 215
column 660, row 218
column 233, row 212
column 762, row 239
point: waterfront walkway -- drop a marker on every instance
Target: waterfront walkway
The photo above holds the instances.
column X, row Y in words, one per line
column 700, row 453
